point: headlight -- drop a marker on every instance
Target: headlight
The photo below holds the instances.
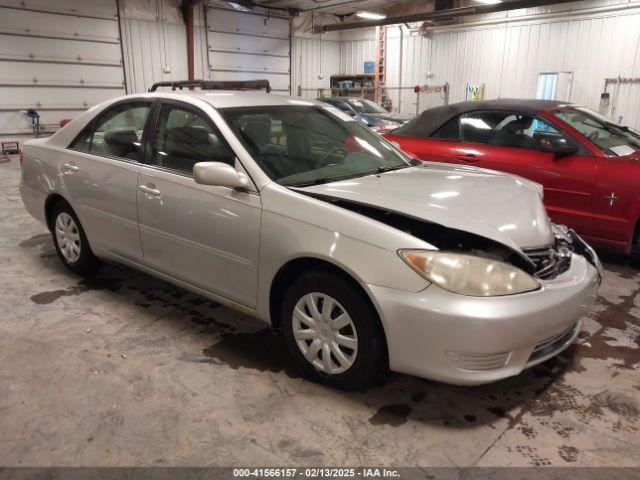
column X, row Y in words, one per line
column 468, row 274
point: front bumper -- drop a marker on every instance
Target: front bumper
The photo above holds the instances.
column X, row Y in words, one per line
column 467, row 340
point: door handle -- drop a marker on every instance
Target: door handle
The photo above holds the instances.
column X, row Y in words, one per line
column 468, row 157
column 150, row 190
column 69, row 167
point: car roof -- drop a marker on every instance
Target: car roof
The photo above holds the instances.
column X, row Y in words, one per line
column 231, row 98
column 425, row 124
column 343, row 98
column 216, row 98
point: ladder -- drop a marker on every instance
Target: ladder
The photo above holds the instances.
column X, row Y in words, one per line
column 381, row 60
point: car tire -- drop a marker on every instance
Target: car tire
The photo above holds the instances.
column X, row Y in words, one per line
column 351, row 365
column 70, row 240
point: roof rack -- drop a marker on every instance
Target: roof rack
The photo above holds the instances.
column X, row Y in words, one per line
column 216, row 85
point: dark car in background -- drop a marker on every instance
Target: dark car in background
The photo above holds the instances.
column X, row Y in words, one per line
column 589, row 167
column 368, row 112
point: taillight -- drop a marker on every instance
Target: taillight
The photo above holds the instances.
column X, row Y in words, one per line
column 21, row 157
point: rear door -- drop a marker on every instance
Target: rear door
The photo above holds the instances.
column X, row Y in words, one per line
column 206, row 236
column 100, row 174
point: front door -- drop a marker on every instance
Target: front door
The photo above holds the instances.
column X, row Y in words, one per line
column 206, row 236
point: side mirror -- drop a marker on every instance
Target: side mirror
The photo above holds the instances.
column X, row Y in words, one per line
column 557, row 146
column 219, row 174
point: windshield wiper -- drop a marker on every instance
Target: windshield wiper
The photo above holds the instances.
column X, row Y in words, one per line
column 315, row 181
column 609, row 127
column 384, row 168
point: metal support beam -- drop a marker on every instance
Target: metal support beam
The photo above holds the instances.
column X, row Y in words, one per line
column 121, row 42
column 438, row 14
column 187, row 13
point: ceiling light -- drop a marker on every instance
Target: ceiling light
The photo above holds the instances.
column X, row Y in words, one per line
column 489, row 2
column 371, row 15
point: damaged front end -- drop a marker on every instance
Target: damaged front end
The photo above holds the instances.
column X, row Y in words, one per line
column 544, row 263
column 555, row 259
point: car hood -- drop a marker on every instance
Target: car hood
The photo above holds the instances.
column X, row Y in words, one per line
column 395, row 117
column 498, row 206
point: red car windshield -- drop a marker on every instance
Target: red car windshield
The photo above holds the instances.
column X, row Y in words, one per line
column 612, row 139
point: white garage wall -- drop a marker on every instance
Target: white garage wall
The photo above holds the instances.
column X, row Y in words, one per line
column 313, row 63
column 248, row 46
column 58, row 58
column 353, row 54
column 316, row 57
column 154, row 43
column 595, row 40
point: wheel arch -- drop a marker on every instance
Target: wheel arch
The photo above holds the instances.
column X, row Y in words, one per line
column 290, row 270
column 49, row 203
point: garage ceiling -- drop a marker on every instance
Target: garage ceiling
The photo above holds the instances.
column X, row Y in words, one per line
column 349, row 7
column 337, row 7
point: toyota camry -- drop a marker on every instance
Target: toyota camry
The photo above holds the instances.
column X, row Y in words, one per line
column 292, row 211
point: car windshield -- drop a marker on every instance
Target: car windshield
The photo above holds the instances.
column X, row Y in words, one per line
column 363, row 105
column 609, row 137
column 307, row 145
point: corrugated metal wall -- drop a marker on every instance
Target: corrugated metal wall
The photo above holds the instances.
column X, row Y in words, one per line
column 315, row 58
column 248, row 46
column 61, row 57
column 507, row 57
column 58, row 58
column 313, row 63
column 154, row 43
column 353, row 54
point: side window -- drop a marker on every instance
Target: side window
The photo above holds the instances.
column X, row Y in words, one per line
column 119, row 131
column 183, row 138
column 82, row 143
column 484, row 127
column 523, row 131
column 449, row 131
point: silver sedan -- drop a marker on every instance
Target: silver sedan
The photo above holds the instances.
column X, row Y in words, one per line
column 291, row 211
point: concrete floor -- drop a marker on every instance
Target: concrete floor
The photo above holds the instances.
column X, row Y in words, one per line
column 127, row 370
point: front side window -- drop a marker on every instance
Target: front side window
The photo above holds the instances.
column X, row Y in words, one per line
column 304, row 145
column 500, row 128
column 612, row 139
column 117, row 133
column 183, row 138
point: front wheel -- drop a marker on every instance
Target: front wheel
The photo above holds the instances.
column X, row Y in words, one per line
column 70, row 240
column 332, row 331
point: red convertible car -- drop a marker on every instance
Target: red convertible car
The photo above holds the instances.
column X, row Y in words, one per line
column 589, row 166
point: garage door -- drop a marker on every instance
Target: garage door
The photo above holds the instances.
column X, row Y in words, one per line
column 58, row 58
column 248, row 46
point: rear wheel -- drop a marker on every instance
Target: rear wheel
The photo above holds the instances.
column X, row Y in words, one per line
column 70, row 240
column 332, row 332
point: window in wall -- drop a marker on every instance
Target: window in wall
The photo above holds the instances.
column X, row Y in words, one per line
column 555, row 86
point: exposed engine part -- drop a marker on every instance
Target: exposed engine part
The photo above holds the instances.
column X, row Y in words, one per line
column 444, row 238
